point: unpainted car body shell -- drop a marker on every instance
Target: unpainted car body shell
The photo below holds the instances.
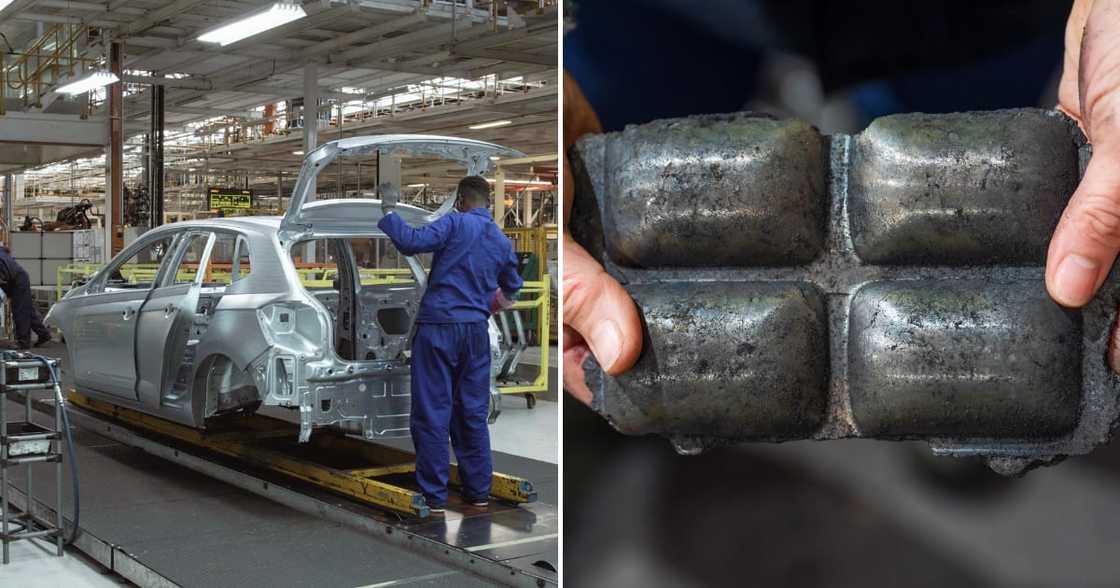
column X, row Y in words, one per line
column 190, row 352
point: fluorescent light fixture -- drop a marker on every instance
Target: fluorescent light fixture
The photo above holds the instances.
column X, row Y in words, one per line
column 278, row 14
column 494, row 158
column 416, row 186
column 83, row 84
column 4, row 4
column 297, row 152
column 344, row 89
column 523, row 182
column 490, row 125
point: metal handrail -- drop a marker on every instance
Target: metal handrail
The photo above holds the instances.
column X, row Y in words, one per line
column 55, row 50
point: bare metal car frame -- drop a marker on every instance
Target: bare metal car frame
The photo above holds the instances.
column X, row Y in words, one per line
column 189, row 352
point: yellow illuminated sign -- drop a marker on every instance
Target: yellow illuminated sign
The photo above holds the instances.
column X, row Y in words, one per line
column 226, row 199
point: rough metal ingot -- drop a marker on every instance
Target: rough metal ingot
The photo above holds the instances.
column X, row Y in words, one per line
column 888, row 284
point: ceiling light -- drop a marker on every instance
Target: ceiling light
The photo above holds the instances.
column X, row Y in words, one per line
column 297, row 152
column 4, row 4
column 416, row 186
column 494, row 158
column 523, row 182
column 278, row 14
column 83, row 84
column 490, row 125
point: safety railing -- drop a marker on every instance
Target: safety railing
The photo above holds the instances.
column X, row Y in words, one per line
column 311, row 277
column 534, row 297
column 26, row 75
column 541, row 243
column 533, row 240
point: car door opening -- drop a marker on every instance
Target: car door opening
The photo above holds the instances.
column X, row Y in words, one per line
column 369, row 291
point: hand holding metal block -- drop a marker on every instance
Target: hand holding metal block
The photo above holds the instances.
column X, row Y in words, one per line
column 888, row 284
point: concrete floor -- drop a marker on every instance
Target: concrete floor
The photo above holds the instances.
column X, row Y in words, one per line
column 518, row 431
column 34, row 565
column 527, row 433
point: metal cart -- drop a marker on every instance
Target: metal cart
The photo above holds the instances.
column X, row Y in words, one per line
column 23, row 443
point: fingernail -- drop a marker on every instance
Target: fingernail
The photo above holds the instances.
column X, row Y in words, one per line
column 1075, row 279
column 606, row 342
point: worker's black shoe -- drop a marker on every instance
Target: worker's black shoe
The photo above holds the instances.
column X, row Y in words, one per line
column 41, row 341
column 23, row 345
column 479, row 502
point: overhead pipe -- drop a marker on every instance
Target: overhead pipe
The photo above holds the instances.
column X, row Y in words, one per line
column 185, row 83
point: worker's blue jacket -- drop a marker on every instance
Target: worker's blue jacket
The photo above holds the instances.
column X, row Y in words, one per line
column 11, row 272
column 472, row 258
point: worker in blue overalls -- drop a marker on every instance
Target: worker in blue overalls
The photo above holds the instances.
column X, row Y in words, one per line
column 16, row 285
column 473, row 273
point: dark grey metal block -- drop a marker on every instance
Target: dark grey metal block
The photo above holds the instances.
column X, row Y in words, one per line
column 715, row 190
column 732, row 360
column 963, row 358
column 948, row 337
column 951, row 189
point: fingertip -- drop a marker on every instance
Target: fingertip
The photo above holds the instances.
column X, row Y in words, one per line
column 1075, row 280
column 627, row 326
column 601, row 311
column 574, row 382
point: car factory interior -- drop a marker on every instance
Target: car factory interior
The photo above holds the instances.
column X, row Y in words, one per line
column 208, row 375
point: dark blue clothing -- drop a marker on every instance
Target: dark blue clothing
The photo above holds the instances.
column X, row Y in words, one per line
column 451, row 349
column 451, row 397
column 472, row 258
column 16, row 285
column 10, row 271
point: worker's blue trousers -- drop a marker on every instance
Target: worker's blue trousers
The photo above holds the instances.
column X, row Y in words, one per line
column 450, row 398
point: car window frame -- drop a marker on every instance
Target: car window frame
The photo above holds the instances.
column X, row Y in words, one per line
column 238, row 237
column 101, row 283
column 242, row 242
column 167, row 280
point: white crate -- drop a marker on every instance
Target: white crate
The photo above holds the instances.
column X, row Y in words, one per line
column 34, row 269
column 26, row 245
column 87, row 245
column 50, row 270
column 58, row 245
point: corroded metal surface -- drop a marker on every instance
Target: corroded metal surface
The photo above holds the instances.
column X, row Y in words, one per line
column 743, row 360
column 716, row 190
column 913, row 306
column 963, row 356
column 946, row 189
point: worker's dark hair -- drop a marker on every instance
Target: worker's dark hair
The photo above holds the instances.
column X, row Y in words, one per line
column 474, row 192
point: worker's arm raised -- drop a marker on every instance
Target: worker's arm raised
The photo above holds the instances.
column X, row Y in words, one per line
column 411, row 241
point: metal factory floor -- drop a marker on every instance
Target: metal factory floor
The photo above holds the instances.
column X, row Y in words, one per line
column 197, row 531
column 836, row 514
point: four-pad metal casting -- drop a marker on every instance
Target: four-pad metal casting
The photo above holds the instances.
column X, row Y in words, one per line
column 887, row 284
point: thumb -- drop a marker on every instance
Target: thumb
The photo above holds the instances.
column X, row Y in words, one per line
column 599, row 310
column 1087, row 239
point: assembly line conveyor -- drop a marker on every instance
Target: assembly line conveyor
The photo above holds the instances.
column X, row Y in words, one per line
column 341, row 480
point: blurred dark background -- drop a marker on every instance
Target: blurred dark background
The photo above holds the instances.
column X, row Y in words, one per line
column 840, row 513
